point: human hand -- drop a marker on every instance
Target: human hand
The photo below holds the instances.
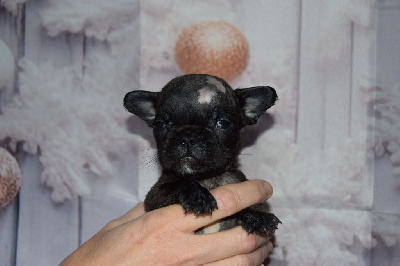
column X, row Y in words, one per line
column 166, row 236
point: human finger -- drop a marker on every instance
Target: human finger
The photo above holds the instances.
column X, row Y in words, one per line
column 231, row 198
column 256, row 257
column 132, row 214
column 228, row 243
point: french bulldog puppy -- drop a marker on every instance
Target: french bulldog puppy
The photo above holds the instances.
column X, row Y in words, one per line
column 196, row 121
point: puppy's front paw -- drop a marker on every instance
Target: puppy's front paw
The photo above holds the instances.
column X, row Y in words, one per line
column 257, row 222
column 198, row 200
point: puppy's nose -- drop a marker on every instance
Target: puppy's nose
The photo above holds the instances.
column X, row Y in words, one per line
column 188, row 141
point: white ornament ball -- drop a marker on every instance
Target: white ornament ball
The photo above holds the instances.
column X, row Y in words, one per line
column 10, row 178
column 6, row 66
column 217, row 48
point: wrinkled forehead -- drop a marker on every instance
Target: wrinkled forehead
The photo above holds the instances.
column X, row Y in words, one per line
column 212, row 91
column 201, row 89
column 216, row 84
column 198, row 94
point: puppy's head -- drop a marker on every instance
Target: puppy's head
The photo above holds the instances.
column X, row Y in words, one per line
column 196, row 120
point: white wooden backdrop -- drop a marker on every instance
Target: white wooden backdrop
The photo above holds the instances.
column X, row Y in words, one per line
column 35, row 231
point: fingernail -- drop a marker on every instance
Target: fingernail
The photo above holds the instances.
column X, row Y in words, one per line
column 268, row 188
column 269, row 246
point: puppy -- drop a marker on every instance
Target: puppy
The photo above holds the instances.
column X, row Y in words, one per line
column 196, row 121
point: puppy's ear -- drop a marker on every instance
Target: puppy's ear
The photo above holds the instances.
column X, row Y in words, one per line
column 255, row 101
column 142, row 104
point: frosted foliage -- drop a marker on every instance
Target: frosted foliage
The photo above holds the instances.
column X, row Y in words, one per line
column 334, row 177
column 385, row 106
column 12, row 5
column 388, row 227
column 322, row 235
column 67, row 116
column 75, row 121
column 96, row 19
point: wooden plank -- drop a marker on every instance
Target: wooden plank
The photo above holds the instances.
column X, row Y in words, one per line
column 8, row 233
column 388, row 40
column 326, row 76
column 10, row 34
column 272, row 30
column 363, row 76
column 47, row 232
column 8, row 30
column 60, row 51
column 386, row 185
column 337, row 81
column 113, row 196
column 385, row 231
column 310, row 121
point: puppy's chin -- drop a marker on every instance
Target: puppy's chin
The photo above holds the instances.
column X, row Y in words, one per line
column 187, row 166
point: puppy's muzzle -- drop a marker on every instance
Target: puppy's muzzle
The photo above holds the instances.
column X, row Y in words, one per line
column 190, row 141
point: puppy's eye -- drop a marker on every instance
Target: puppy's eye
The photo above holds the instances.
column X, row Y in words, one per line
column 159, row 126
column 223, row 124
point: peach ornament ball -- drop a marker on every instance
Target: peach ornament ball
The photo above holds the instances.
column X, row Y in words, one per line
column 10, row 178
column 216, row 47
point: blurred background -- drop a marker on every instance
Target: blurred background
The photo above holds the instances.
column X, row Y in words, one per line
column 330, row 146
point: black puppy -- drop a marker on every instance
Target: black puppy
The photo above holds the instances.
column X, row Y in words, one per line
column 196, row 120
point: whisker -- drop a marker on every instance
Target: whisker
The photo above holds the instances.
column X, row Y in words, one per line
column 150, row 163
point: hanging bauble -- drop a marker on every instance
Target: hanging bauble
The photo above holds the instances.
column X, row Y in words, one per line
column 215, row 48
column 10, row 177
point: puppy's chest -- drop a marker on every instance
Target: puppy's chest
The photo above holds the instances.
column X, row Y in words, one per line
column 210, row 183
column 214, row 182
column 223, row 179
